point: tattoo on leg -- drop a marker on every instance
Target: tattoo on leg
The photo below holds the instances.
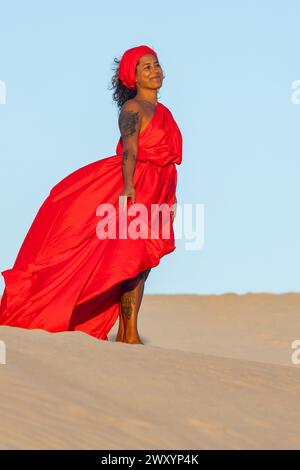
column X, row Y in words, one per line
column 128, row 303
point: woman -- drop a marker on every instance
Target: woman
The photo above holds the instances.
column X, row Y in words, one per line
column 70, row 273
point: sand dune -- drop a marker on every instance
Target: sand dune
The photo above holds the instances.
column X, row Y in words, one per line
column 258, row 327
column 194, row 385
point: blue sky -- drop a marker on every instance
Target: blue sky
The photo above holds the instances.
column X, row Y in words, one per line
column 229, row 70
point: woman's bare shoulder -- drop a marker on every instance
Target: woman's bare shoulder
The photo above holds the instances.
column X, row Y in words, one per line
column 130, row 119
column 132, row 105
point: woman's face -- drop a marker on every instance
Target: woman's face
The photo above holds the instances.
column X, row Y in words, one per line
column 149, row 73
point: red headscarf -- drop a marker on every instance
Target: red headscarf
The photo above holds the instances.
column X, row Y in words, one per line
column 128, row 64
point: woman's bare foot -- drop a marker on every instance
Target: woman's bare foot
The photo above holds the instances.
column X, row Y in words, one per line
column 120, row 334
column 132, row 340
column 131, row 297
column 126, row 337
column 119, row 337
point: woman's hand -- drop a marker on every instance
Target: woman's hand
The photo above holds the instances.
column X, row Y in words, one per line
column 128, row 191
column 174, row 211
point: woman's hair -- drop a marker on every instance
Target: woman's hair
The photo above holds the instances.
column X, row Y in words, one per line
column 121, row 92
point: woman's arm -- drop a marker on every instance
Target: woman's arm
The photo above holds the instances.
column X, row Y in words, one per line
column 130, row 125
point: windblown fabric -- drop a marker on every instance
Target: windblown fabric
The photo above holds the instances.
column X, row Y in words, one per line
column 67, row 278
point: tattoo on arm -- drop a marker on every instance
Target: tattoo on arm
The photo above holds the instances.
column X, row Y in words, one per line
column 127, row 122
column 126, row 155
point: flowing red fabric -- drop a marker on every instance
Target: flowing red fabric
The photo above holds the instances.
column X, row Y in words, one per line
column 66, row 278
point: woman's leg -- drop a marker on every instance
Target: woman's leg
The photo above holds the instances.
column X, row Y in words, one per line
column 131, row 299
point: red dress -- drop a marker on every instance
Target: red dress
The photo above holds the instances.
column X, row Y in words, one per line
column 66, row 278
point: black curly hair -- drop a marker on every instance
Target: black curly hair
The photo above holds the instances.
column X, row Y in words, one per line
column 121, row 92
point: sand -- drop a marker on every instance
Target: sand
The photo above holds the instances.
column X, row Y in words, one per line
column 215, row 373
